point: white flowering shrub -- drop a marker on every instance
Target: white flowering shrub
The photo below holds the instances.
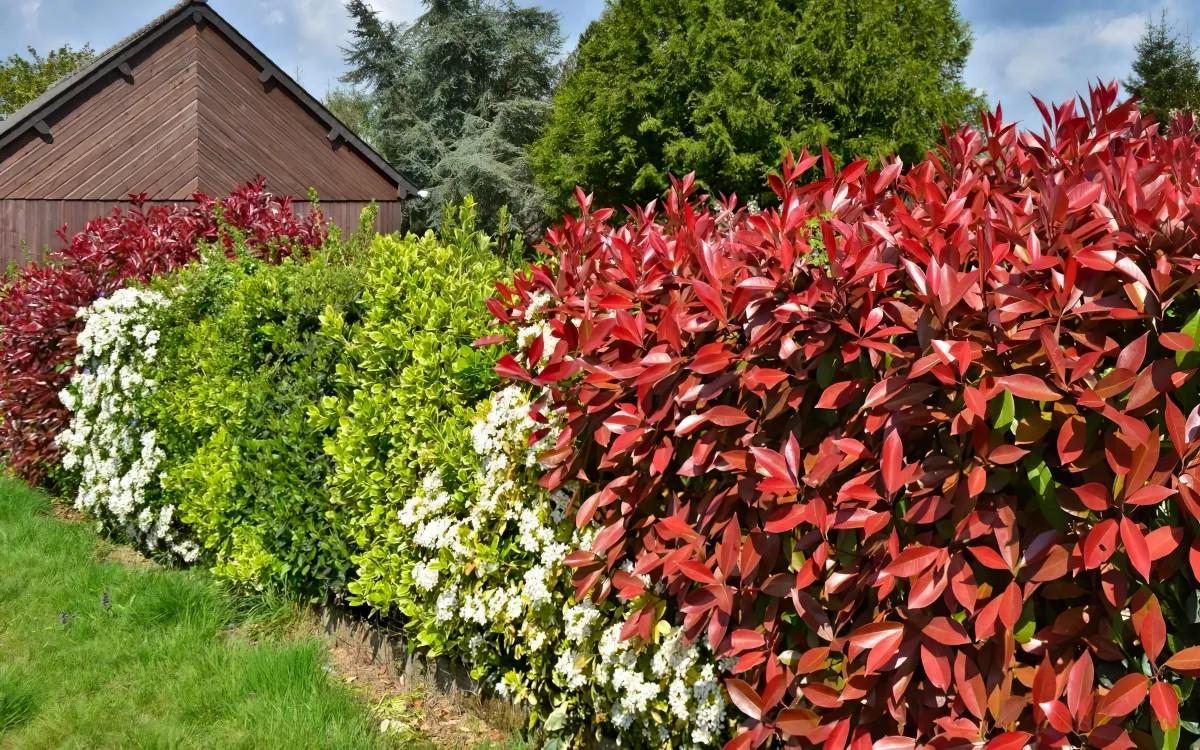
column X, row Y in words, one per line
column 485, row 569
column 108, row 443
column 486, row 579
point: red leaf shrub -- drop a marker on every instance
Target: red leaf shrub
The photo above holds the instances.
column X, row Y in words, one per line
column 38, row 305
column 913, row 447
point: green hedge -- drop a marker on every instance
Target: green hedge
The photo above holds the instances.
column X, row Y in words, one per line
column 407, row 389
column 247, row 349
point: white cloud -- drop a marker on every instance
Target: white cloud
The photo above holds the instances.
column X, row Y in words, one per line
column 398, row 10
column 1053, row 61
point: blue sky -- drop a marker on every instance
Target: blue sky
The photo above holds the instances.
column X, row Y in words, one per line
column 1051, row 48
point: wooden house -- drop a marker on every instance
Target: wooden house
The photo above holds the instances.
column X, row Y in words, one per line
column 184, row 105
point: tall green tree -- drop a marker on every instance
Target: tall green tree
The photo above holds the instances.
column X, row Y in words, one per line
column 22, row 80
column 457, row 97
column 1166, row 73
column 722, row 87
column 355, row 108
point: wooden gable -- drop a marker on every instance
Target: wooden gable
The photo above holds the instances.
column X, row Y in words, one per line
column 184, row 105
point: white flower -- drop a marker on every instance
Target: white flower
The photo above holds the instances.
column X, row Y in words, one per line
column 568, row 671
column 579, row 619
column 447, row 605
column 424, row 577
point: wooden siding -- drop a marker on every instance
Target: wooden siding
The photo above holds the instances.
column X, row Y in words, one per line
column 119, row 138
column 248, row 129
column 36, row 222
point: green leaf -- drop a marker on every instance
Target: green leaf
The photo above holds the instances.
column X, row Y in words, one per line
column 1168, row 740
column 1190, row 358
column 1006, row 411
column 1042, row 482
column 556, row 720
column 1026, row 626
column 827, row 369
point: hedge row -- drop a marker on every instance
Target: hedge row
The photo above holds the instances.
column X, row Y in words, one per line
column 39, row 304
column 909, row 458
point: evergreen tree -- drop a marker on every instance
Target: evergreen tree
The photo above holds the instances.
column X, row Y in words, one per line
column 22, row 80
column 457, row 97
column 1166, row 73
column 355, row 108
column 722, row 87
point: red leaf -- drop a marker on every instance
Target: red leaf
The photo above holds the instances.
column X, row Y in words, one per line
column 726, row 416
column 772, row 464
column 892, row 463
column 1125, row 696
column 1177, row 342
column 1094, row 496
column 1045, row 684
column 1163, row 541
column 697, row 572
column 1006, row 454
column 1186, row 662
column 884, row 391
column 1135, row 547
column 1080, row 682
column 1133, row 355
column 989, row 558
column 838, row 395
column 1028, row 387
column 936, row 663
column 711, row 299
column 1010, row 606
column 1164, row 703
column 812, row 660
column 1071, row 439
column 741, row 742
column 798, row 722
column 1151, row 494
column 1009, row 741
column 1111, row 737
column 912, row 561
column 869, row 636
column 970, row 685
column 784, row 518
column 1100, row 544
column 946, row 631
column 509, row 368
column 744, row 640
column 744, row 697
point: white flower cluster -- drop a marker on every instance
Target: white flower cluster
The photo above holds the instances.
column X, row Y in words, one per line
column 537, row 325
column 668, row 671
column 452, row 541
column 117, row 461
column 485, row 563
column 489, row 568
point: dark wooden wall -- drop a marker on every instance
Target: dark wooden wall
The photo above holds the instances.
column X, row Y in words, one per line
column 196, row 118
column 247, row 129
column 37, row 222
column 119, row 138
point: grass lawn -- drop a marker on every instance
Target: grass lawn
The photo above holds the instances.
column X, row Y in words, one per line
column 170, row 662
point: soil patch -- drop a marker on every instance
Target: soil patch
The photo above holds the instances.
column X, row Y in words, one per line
column 123, row 556
column 418, row 710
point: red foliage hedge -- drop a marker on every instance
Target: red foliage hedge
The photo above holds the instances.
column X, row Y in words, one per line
column 38, row 305
column 913, row 447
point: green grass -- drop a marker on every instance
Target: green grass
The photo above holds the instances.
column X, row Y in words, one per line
column 163, row 667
